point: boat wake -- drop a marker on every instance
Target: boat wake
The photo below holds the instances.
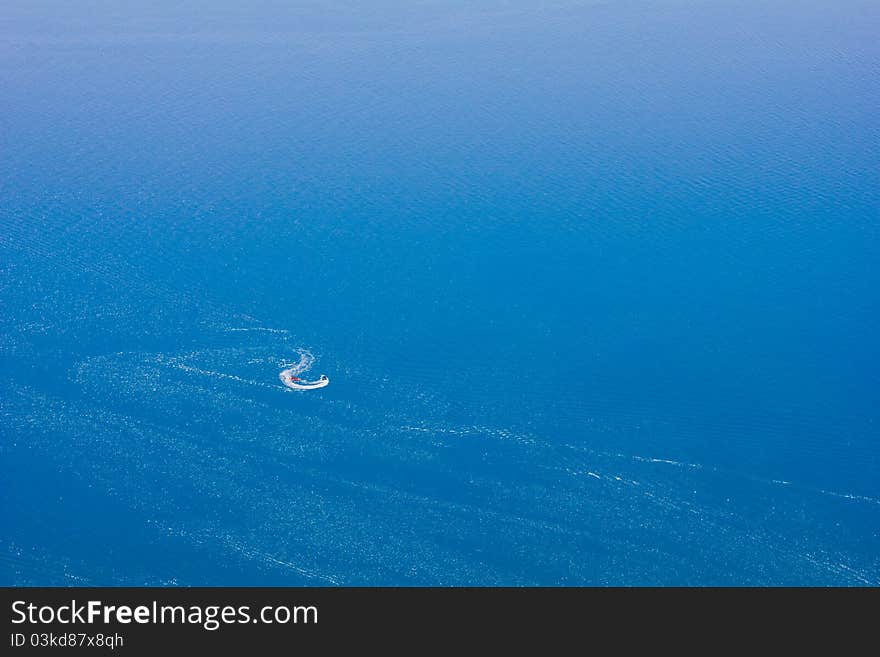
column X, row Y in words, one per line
column 290, row 376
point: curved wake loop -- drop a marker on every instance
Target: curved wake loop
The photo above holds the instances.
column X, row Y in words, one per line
column 290, row 376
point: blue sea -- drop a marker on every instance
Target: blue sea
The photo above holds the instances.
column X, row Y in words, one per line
column 595, row 284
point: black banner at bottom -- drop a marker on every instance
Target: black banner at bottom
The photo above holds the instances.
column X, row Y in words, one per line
column 146, row 620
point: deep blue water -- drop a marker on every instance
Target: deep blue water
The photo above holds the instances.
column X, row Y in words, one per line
column 596, row 285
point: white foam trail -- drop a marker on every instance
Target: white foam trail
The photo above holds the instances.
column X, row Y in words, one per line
column 217, row 375
column 253, row 553
column 474, row 430
column 258, row 328
column 648, row 459
column 289, row 377
column 306, row 360
column 850, row 496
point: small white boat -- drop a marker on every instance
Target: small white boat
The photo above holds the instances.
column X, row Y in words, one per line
column 295, row 383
